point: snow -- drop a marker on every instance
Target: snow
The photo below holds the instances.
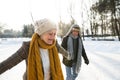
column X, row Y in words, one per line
column 104, row 57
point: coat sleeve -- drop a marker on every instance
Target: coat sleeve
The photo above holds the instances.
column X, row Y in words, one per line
column 84, row 55
column 61, row 50
column 14, row 59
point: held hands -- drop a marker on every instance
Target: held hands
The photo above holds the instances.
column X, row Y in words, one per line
column 69, row 57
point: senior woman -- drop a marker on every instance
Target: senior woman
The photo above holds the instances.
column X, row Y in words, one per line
column 41, row 54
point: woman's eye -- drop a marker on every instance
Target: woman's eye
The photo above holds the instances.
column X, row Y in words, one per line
column 52, row 34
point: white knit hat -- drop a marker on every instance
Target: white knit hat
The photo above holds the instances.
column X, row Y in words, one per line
column 44, row 25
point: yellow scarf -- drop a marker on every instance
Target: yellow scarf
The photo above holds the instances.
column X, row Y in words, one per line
column 35, row 68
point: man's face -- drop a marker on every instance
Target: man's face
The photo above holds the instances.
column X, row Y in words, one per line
column 75, row 32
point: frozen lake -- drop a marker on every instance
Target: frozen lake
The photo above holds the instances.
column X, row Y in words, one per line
column 104, row 59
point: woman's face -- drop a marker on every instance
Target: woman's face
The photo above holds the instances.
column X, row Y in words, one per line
column 49, row 36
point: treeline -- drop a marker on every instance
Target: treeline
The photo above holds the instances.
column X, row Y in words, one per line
column 105, row 18
column 27, row 31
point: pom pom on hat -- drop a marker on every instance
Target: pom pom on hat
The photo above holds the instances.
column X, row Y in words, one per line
column 44, row 25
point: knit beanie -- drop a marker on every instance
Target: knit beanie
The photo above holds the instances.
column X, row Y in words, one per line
column 75, row 27
column 44, row 25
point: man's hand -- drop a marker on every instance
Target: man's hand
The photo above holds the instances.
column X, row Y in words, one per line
column 87, row 62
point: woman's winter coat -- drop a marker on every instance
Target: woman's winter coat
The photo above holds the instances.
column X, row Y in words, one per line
column 22, row 54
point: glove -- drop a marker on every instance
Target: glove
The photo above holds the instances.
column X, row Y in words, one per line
column 87, row 62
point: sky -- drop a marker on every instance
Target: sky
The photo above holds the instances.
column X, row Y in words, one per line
column 15, row 13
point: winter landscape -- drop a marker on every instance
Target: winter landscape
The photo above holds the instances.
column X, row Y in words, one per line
column 104, row 59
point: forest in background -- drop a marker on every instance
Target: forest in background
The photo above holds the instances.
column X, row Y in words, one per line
column 103, row 17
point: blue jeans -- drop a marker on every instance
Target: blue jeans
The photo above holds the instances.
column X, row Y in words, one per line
column 70, row 73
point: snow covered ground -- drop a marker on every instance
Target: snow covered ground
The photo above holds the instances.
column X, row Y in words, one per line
column 104, row 59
